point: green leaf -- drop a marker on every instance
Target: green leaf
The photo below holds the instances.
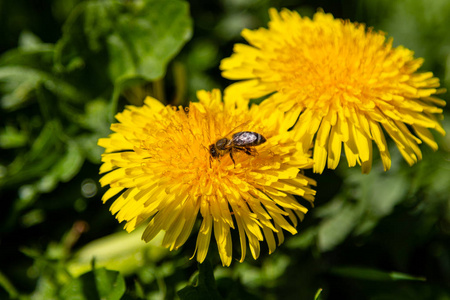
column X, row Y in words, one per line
column 6, row 284
column 363, row 201
column 33, row 55
column 304, row 239
column 49, row 161
column 373, row 274
column 89, row 147
column 205, row 288
column 24, row 69
column 64, row 170
column 45, row 142
column 110, row 284
column 17, row 85
column 137, row 39
column 30, row 41
column 95, row 117
column 380, row 191
column 97, row 284
column 122, row 251
column 203, row 55
column 46, row 288
column 152, row 33
column 20, row 81
column 69, row 165
column 317, row 295
column 11, row 137
column 339, row 223
column 44, row 153
column 139, row 289
column 122, row 64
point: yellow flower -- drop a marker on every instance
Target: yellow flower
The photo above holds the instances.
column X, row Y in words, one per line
column 345, row 85
column 159, row 168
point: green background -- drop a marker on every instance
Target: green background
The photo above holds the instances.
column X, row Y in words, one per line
column 66, row 67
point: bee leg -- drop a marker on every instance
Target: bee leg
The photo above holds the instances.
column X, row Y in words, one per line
column 231, row 156
column 250, row 151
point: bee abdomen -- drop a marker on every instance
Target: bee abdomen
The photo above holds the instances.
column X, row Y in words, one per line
column 247, row 138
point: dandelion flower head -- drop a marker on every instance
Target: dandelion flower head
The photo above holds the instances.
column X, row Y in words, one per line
column 160, row 172
column 343, row 84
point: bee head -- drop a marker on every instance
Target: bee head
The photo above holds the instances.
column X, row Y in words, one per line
column 213, row 151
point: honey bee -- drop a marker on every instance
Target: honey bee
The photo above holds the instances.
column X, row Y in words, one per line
column 241, row 141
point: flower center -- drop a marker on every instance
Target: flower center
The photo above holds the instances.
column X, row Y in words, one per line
column 355, row 68
column 177, row 148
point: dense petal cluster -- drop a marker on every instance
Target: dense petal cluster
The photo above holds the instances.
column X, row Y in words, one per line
column 159, row 170
column 341, row 84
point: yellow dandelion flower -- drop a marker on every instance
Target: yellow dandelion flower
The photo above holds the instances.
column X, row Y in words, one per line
column 160, row 170
column 345, row 85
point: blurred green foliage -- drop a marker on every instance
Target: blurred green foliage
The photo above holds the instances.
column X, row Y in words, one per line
column 68, row 66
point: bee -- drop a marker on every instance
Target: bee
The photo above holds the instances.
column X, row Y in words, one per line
column 241, row 141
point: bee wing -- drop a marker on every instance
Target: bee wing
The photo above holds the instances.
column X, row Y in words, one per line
column 237, row 128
